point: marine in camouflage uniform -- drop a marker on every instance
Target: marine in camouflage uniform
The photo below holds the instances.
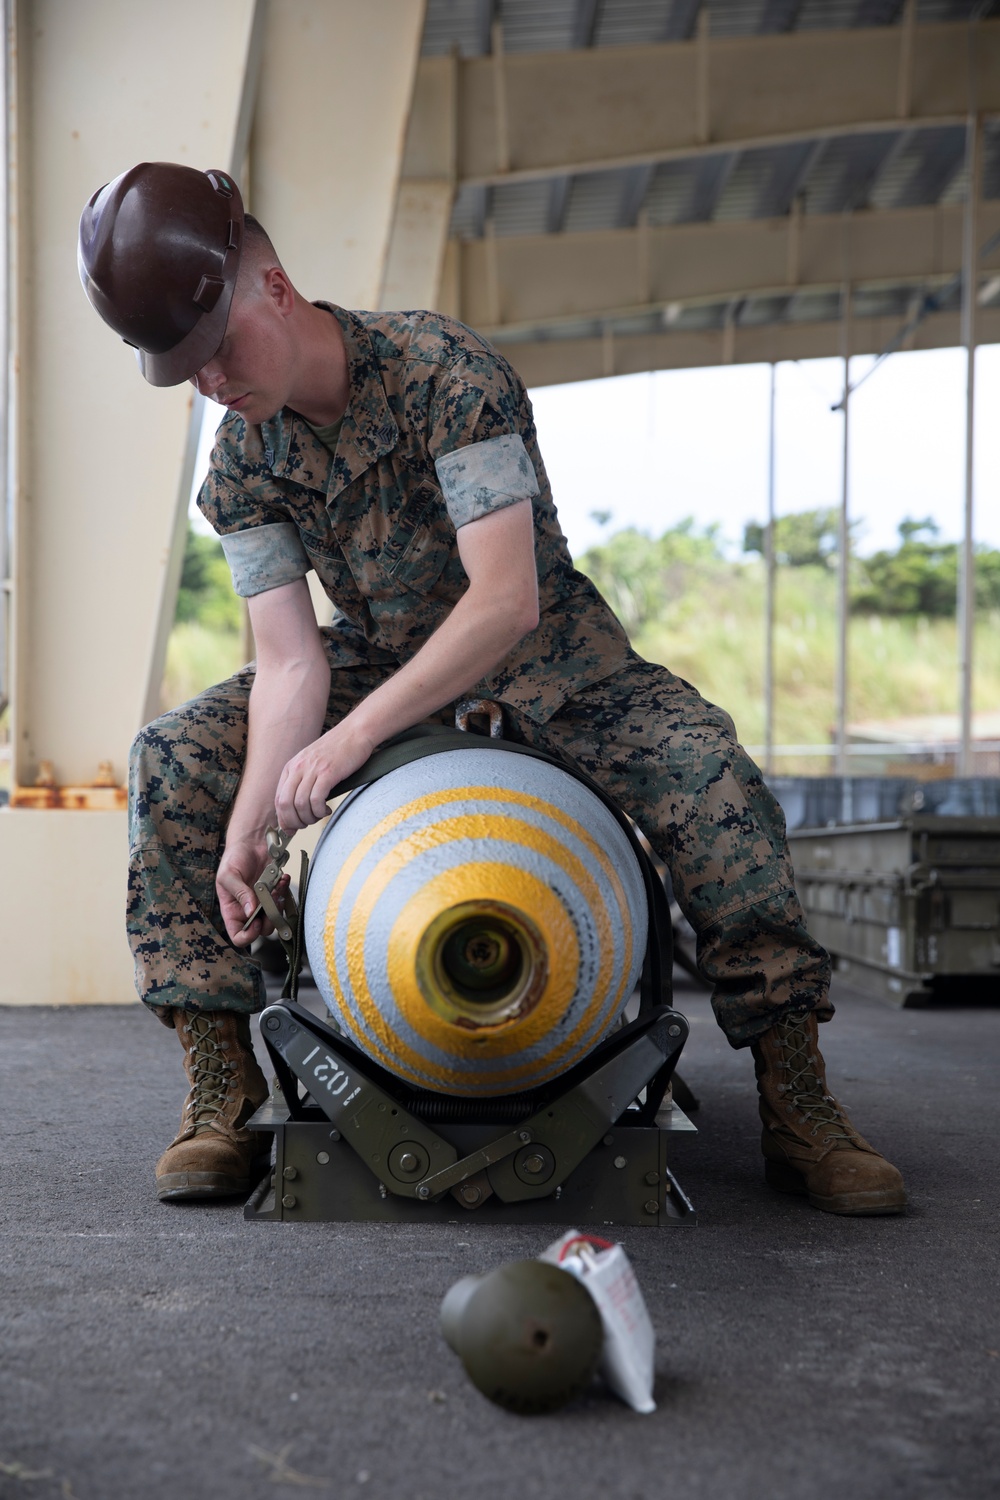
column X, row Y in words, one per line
column 435, row 433
column 438, row 432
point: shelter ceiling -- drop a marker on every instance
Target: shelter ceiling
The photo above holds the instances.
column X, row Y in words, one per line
column 652, row 169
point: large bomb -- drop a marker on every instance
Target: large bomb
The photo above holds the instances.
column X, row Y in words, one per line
column 475, row 921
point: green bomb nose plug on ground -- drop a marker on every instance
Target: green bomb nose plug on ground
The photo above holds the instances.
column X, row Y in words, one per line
column 532, row 1334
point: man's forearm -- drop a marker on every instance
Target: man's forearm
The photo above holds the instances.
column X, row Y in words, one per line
column 287, row 709
column 475, row 637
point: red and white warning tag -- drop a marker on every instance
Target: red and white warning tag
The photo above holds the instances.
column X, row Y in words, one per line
column 629, row 1341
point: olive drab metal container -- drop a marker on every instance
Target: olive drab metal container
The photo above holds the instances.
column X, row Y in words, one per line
column 900, row 879
column 909, row 908
column 475, row 921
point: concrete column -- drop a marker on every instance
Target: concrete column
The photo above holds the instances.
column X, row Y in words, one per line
column 327, row 146
column 415, row 261
column 94, row 460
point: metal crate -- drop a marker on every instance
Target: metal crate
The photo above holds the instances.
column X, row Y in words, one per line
column 910, row 908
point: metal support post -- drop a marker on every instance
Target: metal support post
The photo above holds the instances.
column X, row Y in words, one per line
column 843, row 544
column 966, row 603
column 90, row 565
column 770, row 580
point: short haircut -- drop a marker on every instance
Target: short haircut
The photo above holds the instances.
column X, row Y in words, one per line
column 257, row 240
column 258, row 250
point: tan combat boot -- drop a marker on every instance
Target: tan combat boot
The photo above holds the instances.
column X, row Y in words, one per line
column 213, row 1155
column 809, row 1144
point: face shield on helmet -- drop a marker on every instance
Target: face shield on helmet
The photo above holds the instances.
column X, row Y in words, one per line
column 159, row 253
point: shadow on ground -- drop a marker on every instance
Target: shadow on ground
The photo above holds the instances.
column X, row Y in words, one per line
column 174, row 1352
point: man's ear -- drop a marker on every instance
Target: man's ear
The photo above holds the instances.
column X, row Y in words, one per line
column 280, row 290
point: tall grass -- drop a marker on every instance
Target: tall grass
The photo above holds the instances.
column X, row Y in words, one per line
column 713, row 634
column 198, row 656
column 710, row 630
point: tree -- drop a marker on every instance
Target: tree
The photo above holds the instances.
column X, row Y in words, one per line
column 206, row 595
column 919, row 578
column 639, row 574
column 806, row 539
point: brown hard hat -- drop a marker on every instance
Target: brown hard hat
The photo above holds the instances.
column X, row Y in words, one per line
column 158, row 255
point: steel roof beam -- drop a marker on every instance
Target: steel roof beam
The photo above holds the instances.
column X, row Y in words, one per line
column 590, row 109
column 790, row 170
column 483, row 17
column 556, row 361
column 943, row 155
column 710, row 178
column 877, row 12
column 634, row 189
column 864, row 166
column 558, row 199
column 542, row 280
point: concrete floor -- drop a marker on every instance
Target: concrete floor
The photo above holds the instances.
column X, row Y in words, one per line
column 174, row 1352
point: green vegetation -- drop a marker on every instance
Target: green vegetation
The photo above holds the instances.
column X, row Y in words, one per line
column 919, row 577
column 800, row 541
column 206, row 592
column 196, row 657
column 685, row 604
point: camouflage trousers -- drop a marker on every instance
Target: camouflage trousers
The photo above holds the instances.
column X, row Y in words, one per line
column 667, row 757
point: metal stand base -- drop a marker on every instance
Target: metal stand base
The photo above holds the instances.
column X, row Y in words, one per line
column 353, row 1144
column 317, row 1177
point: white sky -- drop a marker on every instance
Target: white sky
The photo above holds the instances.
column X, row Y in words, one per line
column 655, row 448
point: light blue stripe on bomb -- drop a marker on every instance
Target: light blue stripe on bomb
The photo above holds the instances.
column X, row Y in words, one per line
column 475, row 767
column 395, row 898
column 424, row 866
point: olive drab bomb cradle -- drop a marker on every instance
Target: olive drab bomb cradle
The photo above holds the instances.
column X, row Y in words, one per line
column 476, row 917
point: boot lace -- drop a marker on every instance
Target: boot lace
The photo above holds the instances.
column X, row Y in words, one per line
column 802, row 1088
column 211, row 1072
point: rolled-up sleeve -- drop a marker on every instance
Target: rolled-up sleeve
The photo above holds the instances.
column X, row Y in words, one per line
column 265, row 557
column 262, row 546
column 483, row 477
column 478, row 420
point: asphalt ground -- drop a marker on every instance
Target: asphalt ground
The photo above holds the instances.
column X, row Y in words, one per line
column 176, row 1352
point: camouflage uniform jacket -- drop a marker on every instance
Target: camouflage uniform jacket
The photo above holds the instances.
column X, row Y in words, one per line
column 438, row 432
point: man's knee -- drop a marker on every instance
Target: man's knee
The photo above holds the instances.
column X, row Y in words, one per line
column 156, row 741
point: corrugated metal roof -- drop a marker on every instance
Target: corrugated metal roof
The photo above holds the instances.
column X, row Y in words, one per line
column 887, row 169
column 550, row 25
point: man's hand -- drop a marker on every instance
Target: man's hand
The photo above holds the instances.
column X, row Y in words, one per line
column 241, row 865
column 308, row 778
column 499, row 606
